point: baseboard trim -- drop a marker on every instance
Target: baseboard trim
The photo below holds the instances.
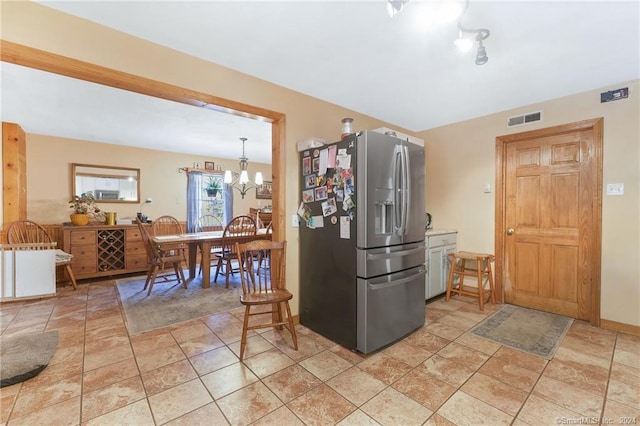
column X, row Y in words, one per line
column 619, row 326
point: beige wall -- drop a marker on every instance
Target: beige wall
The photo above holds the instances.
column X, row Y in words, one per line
column 49, row 160
column 461, row 160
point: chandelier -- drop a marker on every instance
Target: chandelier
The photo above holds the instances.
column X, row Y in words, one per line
column 240, row 181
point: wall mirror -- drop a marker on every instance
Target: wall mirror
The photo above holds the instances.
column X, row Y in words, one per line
column 108, row 184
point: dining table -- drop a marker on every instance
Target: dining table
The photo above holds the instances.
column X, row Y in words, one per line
column 204, row 241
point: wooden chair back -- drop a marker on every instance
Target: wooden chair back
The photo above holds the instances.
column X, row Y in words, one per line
column 166, row 225
column 241, row 229
column 209, row 222
column 29, row 232
column 26, row 231
column 149, row 247
column 240, row 226
column 158, row 259
column 262, row 265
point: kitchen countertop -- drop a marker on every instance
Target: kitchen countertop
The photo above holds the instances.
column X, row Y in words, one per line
column 439, row 231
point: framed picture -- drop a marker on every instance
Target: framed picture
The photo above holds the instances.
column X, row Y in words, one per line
column 264, row 191
column 321, row 193
column 208, row 165
column 310, row 181
column 306, row 165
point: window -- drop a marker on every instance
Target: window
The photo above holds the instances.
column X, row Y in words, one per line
column 207, row 195
column 213, row 197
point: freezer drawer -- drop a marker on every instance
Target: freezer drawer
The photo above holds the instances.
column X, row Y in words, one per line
column 386, row 260
column 389, row 308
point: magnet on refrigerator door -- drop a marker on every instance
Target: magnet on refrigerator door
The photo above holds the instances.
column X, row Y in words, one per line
column 310, row 181
column 321, row 193
column 307, row 196
column 316, row 222
column 304, row 212
column 348, row 204
column 345, row 229
column 306, row 165
column 329, row 207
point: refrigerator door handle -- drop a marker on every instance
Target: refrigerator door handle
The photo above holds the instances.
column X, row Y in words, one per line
column 381, row 286
column 406, row 190
column 398, row 175
column 371, row 255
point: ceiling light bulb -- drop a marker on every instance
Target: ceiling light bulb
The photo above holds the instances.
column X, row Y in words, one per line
column 258, row 180
column 464, row 44
column 481, row 55
column 244, row 177
column 228, row 178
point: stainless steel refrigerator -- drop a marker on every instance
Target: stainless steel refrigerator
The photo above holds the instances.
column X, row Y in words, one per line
column 362, row 251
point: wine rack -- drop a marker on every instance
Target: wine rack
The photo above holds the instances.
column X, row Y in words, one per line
column 111, row 253
column 105, row 250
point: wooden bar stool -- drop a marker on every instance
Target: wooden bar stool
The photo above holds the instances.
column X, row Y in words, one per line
column 483, row 267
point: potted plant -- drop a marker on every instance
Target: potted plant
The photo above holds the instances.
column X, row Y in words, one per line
column 84, row 207
column 213, row 186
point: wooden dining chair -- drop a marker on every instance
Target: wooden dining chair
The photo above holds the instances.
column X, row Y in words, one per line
column 26, row 231
column 241, row 229
column 166, row 225
column 264, row 285
column 159, row 258
column 210, row 223
column 169, row 225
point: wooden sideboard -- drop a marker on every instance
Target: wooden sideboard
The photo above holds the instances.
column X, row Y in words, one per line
column 102, row 250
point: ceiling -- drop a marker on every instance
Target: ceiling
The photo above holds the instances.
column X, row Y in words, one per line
column 51, row 104
column 403, row 70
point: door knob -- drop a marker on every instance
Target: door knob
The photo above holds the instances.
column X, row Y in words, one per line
column 510, row 231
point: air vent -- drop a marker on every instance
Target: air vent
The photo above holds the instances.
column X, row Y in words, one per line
column 520, row 120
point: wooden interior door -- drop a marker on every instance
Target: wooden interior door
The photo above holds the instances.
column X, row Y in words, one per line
column 549, row 219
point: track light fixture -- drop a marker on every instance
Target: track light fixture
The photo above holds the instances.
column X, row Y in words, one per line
column 465, row 44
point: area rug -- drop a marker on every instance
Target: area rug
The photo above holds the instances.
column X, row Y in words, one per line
column 171, row 303
column 25, row 356
column 536, row 332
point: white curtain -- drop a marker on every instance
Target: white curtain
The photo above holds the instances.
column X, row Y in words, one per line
column 194, row 200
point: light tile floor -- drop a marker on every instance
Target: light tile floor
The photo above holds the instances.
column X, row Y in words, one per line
column 190, row 373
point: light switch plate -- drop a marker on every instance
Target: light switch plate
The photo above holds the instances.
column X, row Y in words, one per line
column 615, row 189
column 295, row 221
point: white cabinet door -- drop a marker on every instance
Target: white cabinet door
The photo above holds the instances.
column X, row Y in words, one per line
column 436, row 276
column 27, row 273
column 438, row 247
